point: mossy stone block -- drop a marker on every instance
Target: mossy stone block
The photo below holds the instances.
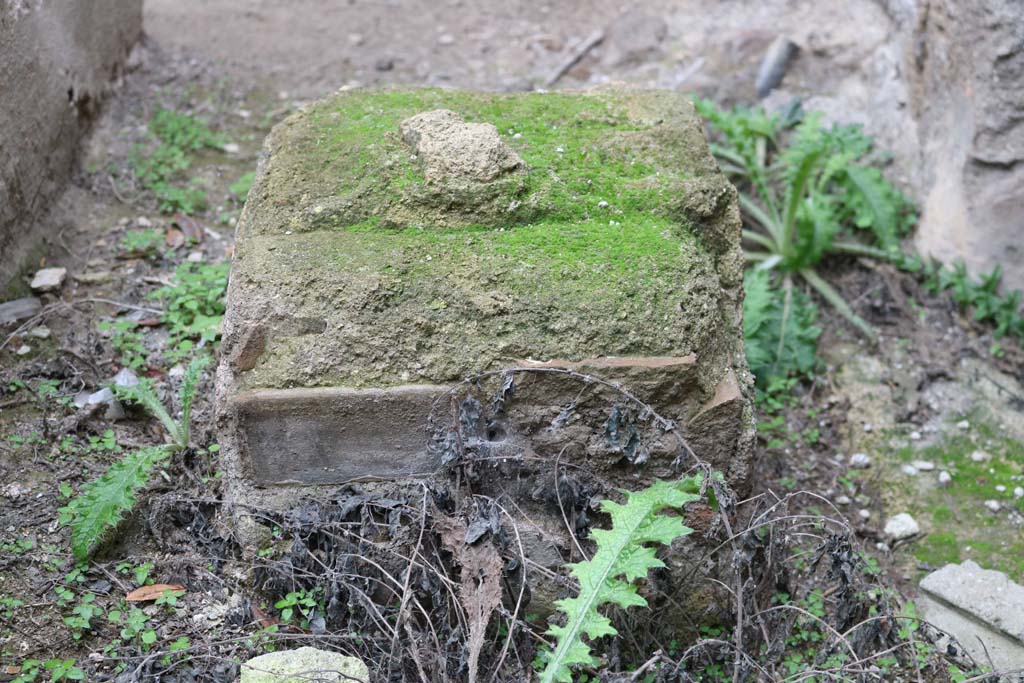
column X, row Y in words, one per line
column 401, row 241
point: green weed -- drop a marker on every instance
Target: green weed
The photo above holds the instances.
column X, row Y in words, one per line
column 145, row 243
column 807, row 191
column 193, row 305
column 160, row 165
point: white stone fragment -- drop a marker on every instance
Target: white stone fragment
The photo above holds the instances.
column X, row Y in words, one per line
column 860, row 461
column 902, row 526
column 48, row 279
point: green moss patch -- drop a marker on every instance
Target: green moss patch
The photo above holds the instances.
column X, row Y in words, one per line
column 342, row 162
column 958, row 526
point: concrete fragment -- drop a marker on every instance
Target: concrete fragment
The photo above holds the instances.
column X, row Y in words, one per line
column 48, row 279
column 976, row 604
column 19, row 309
column 304, row 664
column 901, row 526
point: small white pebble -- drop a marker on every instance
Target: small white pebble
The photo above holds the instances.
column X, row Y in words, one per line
column 944, row 478
column 993, row 505
column 24, row 350
column 868, row 427
column 860, row 461
column 924, row 465
column 909, row 470
column 429, row 257
column 864, row 514
column 559, row 150
column 915, row 436
column 517, row 136
column 979, row 456
column 602, row 204
column 1000, row 488
column 843, row 500
column 1018, row 492
column 963, row 425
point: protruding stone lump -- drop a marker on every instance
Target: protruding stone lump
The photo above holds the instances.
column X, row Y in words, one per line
column 453, row 151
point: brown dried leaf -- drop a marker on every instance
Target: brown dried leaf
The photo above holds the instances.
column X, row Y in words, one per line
column 147, row 593
column 479, row 585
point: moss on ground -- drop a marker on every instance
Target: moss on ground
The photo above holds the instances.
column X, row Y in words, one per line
column 958, row 526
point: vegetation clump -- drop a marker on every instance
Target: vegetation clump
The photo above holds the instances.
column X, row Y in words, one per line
column 160, row 165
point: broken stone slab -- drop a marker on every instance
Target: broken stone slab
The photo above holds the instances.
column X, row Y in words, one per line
column 304, row 664
column 982, row 608
column 332, row 435
column 19, row 309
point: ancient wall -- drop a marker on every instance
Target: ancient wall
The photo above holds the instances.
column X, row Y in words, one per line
column 57, row 62
column 965, row 69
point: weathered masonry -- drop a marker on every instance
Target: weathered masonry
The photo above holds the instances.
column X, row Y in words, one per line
column 395, row 243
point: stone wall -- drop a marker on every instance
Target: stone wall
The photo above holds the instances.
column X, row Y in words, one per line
column 965, row 66
column 57, row 62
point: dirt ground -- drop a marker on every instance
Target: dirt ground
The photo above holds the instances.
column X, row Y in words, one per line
column 241, row 66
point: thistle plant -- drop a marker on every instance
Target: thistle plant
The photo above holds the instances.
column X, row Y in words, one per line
column 623, row 556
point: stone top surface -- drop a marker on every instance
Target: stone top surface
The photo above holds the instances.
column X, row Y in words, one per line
column 987, row 595
column 402, row 237
column 304, row 664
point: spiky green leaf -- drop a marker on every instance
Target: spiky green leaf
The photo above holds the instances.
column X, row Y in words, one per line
column 102, row 503
column 621, row 558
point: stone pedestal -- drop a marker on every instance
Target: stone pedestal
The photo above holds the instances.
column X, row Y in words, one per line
column 397, row 243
